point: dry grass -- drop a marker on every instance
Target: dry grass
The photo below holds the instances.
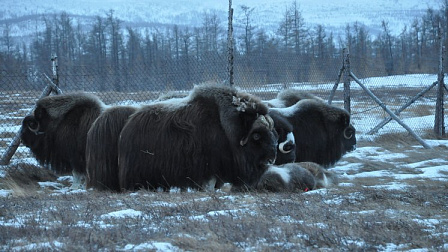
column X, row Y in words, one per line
column 360, row 214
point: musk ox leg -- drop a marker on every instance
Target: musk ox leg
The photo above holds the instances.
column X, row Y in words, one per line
column 209, row 186
column 79, row 180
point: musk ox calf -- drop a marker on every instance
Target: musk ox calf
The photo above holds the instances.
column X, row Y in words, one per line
column 322, row 133
column 296, row 177
column 56, row 132
column 102, row 148
column 215, row 132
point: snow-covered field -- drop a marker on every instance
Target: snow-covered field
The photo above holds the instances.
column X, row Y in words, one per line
column 392, row 196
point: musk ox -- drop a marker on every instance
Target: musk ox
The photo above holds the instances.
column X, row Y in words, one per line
column 296, row 177
column 322, row 132
column 289, row 97
column 215, row 133
column 56, row 132
column 102, row 148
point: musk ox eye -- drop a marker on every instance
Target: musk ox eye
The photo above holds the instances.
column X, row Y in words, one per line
column 256, row 136
column 32, row 124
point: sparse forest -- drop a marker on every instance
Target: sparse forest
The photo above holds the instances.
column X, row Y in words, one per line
column 184, row 55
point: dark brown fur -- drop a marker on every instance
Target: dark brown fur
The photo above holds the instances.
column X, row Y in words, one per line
column 319, row 131
column 215, row 132
column 102, row 148
column 56, row 132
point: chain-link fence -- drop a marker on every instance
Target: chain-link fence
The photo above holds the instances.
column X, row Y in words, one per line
column 139, row 85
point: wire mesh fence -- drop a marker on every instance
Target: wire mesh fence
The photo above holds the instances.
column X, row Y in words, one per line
column 140, row 85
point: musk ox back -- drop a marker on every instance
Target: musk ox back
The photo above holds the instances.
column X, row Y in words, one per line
column 289, row 97
column 102, row 148
column 323, row 133
column 56, row 132
column 214, row 133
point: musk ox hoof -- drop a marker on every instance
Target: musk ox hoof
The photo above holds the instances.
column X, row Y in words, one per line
column 79, row 181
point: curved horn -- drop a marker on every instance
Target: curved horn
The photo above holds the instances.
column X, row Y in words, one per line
column 288, row 142
column 348, row 132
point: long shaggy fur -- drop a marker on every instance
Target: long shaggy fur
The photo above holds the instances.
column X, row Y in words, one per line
column 214, row 133
column 287, row 178
column 323, row 133
column 296, row 177
column 289, row 97
column 56, row 132
column 102, row 148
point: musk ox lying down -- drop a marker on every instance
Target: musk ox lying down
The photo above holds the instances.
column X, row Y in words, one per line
column 322, row 133
column 296, row 177
column 102, row 148
column 56, row 132
column 289, row 97
column 215, row 132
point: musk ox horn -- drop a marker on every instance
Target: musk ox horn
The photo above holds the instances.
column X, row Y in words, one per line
column 33, row 126
column 348, row 132
column 261, row 121
column 286, row 146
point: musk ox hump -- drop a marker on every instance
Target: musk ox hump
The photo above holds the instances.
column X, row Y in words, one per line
column 58, row 105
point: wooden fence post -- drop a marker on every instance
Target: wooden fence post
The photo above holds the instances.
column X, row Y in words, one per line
column 439, row 124
column 347, row 72
column 230, row 45
column 50, row 87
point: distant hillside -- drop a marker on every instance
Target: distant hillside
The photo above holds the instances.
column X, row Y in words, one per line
column 25, row 16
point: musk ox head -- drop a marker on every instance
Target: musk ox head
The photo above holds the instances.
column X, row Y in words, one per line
column 323, row 133
column 56, row 132
column 286, row 152
column 215, row 132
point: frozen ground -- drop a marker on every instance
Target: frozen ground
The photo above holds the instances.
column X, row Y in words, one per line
column 392, row 196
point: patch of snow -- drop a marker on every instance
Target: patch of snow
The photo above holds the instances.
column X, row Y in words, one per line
column 5, row 193
column 127, row 213
column 157, row 246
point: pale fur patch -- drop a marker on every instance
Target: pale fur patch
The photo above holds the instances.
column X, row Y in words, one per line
column 284, row 173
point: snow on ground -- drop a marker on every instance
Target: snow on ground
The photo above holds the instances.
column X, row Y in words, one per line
column 396, row 173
